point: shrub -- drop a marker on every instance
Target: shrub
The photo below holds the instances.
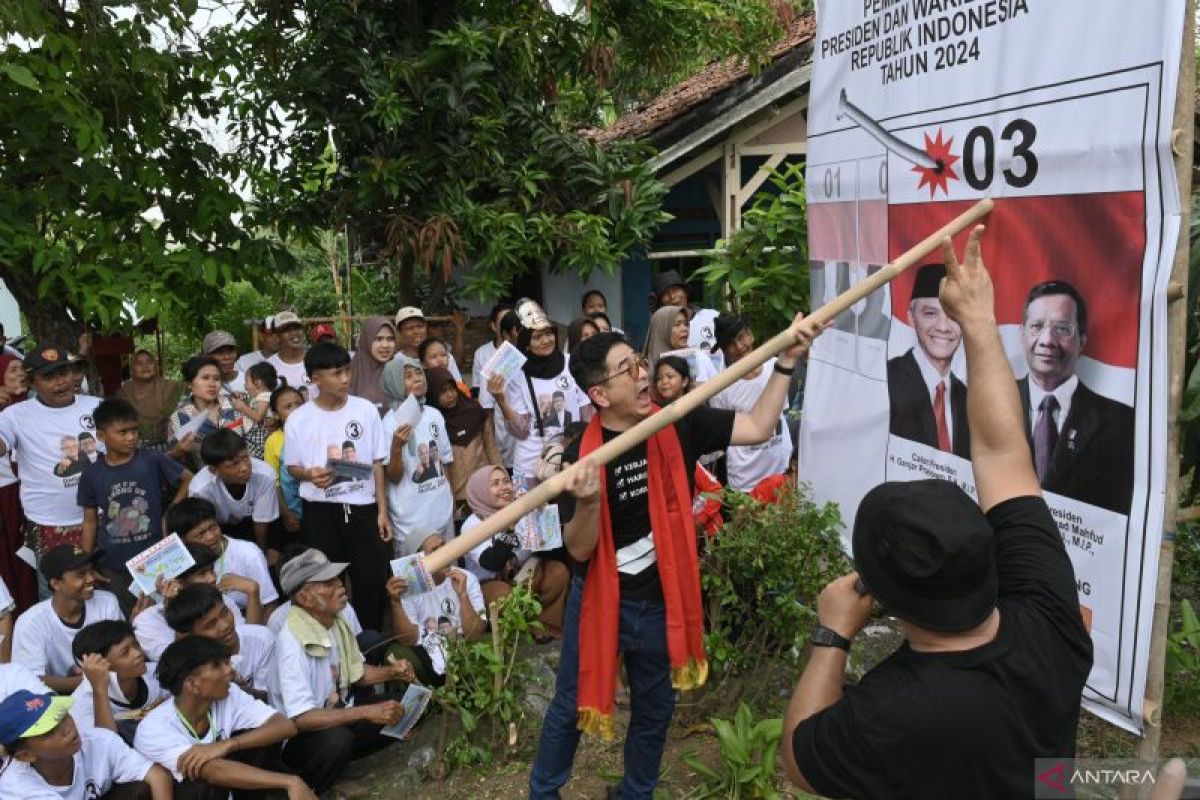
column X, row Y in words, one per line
column 762, row 573
column 486, row 681
column 747, row 769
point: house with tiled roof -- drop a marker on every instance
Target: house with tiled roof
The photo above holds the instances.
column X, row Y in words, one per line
column 717, row 135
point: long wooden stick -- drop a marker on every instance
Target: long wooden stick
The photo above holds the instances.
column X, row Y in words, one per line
column 545, row 492
column 1183, row 136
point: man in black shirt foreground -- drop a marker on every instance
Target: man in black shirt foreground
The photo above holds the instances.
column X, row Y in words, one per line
column 631, row 524
column 996, row 653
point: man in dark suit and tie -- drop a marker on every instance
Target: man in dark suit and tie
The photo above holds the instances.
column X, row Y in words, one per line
column 1082, row 442
column 928, row 402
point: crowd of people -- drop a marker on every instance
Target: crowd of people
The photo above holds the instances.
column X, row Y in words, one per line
column 293, row 480
column 293, row 475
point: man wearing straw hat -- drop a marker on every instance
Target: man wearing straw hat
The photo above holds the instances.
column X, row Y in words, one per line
column 637, row 591
column 996, row 653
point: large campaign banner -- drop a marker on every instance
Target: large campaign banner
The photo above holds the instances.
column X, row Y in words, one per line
column 1061, row 111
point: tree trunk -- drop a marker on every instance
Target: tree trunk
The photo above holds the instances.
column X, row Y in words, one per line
column 437, row 292
column 49, row 318
column 408, row 290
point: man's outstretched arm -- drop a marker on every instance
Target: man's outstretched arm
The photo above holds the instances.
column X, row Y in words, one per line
column 999, row 451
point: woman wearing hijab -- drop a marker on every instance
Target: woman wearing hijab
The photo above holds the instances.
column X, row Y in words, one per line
column 376, row 346
column 469, row 425
column 16, row 574
column 669, row 333
column 541, row 400
column 419, row 497
column 499, row 563
column 152, row 396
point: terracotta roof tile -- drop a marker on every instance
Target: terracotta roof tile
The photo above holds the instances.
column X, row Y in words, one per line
column 705, row 84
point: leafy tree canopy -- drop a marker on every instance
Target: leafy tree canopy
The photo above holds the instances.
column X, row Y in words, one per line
column 448, row 133
column 112, row 204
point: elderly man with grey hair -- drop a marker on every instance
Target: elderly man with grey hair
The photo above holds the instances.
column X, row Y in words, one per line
column 319, row 669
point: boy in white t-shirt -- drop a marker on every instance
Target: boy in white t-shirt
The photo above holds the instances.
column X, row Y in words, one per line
column 241, row 567
column 427, row 621
column 53, row 760
column 200, row 610
column 214, row 736
column 118, row 689
column 345, row 515
column 42, row 635
column 241, row 488
column 150, row 625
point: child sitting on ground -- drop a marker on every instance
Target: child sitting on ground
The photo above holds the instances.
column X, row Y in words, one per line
column 118, row 689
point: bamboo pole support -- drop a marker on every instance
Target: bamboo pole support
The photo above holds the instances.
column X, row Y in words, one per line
column 545, row 492
column 1183, row 136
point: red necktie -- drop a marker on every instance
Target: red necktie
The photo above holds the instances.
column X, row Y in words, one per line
column 939, row 417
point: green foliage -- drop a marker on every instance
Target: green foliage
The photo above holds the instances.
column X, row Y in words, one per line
column 443, row 134
column 747, row 769
column 762, row 574
column 113, row 206
column 765, row 265
column 1183, row 661
column 486, row 681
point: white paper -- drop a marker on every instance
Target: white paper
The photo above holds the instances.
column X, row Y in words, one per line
column 408, row 413
column 506, row 362
column 416, row 698
column 167, row 558
column 192, row 426
column 28, row 556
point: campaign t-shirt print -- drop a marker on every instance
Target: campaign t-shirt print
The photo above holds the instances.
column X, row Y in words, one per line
column 346, row 449
column 76, row 451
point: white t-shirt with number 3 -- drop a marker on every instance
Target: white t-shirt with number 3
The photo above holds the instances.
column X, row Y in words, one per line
column 353, row 432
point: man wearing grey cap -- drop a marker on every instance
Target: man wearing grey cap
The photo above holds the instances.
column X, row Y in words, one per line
column 222, row 346
column 996, row 652
column 319, row 669
column 928, row 401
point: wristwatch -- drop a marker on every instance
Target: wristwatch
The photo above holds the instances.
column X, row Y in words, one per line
column 827, row 637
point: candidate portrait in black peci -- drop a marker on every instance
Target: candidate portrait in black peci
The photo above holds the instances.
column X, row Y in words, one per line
column 928, row 402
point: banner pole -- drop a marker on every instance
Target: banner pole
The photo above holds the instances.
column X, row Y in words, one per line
column 1182, row 142
column 545, row 492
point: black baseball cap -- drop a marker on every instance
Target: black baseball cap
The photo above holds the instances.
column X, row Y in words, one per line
column 45, row 360
column 66, row 557
column 926, row 552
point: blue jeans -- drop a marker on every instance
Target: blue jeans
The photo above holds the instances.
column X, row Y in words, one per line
column 642, row 637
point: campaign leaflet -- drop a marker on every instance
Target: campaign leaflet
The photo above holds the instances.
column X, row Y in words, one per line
column 506, row 362
column 412, row 570
column 167, row 558
column 416, row 698
column 540, row 529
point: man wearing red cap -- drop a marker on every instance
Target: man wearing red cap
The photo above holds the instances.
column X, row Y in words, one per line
column 996, row 653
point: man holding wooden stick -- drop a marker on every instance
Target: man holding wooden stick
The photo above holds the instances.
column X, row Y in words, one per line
column 637, row 592
column 996, row 654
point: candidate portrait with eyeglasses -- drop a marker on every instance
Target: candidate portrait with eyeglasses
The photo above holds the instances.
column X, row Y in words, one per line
column 1082, row 441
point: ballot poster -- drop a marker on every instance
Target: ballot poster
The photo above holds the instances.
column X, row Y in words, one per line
column 1060, row 111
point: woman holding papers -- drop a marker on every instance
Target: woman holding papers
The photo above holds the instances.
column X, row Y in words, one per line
column 206, row 405
column 500, row 562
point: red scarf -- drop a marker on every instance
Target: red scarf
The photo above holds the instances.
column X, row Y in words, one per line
column 678, row 569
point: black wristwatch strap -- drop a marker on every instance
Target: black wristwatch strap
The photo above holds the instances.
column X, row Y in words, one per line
column 783, row 370
column 826, row 637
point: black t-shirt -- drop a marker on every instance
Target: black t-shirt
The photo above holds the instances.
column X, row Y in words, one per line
column 967, row 724
column 701, row 431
